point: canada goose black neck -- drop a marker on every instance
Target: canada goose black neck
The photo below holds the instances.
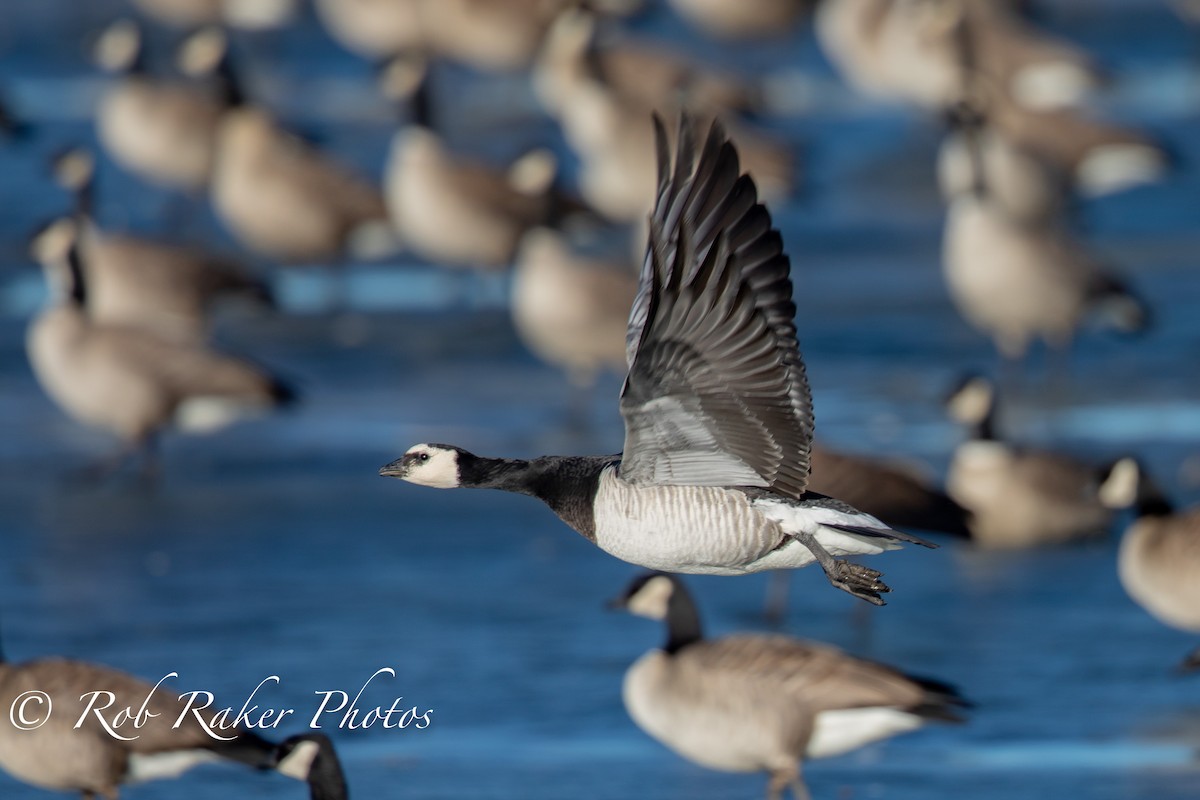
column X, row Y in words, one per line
column 683, row 620
column 230, row 86
column 1151, row 503
column 567, row 484
column 420, row 105
column 77, row 288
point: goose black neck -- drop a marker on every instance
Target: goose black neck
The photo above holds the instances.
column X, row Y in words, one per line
column 77, row 289
column 420, row 105
column 567, row 484
column 230, row 86
column 1152, row 503
column 683, row 620
column 326, row 780
column 85, row 198
column 985, row 429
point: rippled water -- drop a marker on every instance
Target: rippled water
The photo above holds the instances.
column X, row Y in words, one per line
column 274, row 548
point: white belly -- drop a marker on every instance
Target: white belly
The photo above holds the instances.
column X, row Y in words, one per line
column 714, row 531
column 837, row 732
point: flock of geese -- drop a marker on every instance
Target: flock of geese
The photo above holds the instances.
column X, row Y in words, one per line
column 719, row 472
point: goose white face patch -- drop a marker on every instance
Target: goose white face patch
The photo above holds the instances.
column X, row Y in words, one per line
column 432, row 466
column 1120, row 488
column 971, row 404
column 298, row 763
column 652, row 599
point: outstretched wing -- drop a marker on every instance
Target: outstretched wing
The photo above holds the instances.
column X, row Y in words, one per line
column 716, row 392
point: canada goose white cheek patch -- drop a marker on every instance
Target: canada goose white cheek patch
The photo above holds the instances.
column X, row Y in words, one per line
column 298, row 763
column 1120, row 488
column 171, row 764
column 652, row 599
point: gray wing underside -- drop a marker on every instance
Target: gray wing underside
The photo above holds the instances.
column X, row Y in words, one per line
column 716, row 393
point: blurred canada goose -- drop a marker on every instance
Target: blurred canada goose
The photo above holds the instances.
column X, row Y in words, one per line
column 759, row 703
column 607, row 128
column 1016, row 496
column 747, row 20
column 289, row 202
column 571, row 311
column 458, row 212
column 141, row 282
column 246, row 14
column 1019, row 280
column 96, row 759
column 1026, row 186
column 373, row 29
column 1159, row 560
column 490, row 35
column 717, row 409
column 648, row 74
column 1099, row 157
column 128, row 380
column 163, row 131
column 913, row 51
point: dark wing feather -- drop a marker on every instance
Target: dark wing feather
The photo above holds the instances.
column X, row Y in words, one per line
column 716, row 392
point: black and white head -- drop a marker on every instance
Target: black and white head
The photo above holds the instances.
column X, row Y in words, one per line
column 311, row 758
column 972, row 400
column 648, row 596
column 436, row 465
column 1122, row 485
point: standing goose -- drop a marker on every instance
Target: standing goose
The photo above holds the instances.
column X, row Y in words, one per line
column 254, row 15
column 1159, row 560
column 451, row 210
column 751, row 19
column 1020, row 497
column 606, row 127
column 126, row 379
column 171, row 739
column 718, row 413
column 1021, row 280
column 571, row 311
column 135, row 281
column 287, row 201
column 760, row 703
column 162, row 131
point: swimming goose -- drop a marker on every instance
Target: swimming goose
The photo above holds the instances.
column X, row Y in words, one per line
column 760, row 703
column 170, row 740
column 1020, row 280
column 607, row 128
column 136, row 281
column 452, row 210
column 163, row 131
column 718, row 413
column 1159, row 559
column 126, row 379
column 1019, row 496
